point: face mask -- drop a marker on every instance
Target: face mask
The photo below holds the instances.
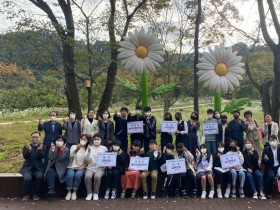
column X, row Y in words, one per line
column 273, row 143
column 178, row 119
column 59, row 143
column 217, row 116
column 116, row 148
column 236, row 117
column 169, row 151
column 203, row 151
column 221, row 149
column 52, row 118
column 223, row 121
column 210, row 116
column 193, row 117
column 35, row 141
column 147, row 114
column 137, row 111
column 179, row 151
column 167, row 118
column 96, row 142
column 72, row 116
column 105, row 116
column 83, row 142
column 248, row 146
column 233, row 148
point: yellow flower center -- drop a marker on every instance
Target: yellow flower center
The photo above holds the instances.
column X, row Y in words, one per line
column 221, row 69
column 141, row 51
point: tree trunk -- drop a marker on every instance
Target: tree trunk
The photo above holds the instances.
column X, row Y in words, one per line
column 89, row 90
column 275, row 102
column 167, row 103
column 265, row 97
column 196, row 55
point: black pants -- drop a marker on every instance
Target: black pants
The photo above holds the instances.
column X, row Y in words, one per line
column 113, row 178
column 28, row 177
column 269, row 174
column 146, row 144
column 219, row 177
column 124, row 141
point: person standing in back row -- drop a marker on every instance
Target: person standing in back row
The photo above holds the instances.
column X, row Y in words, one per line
column 137, row 117
column 121, row 127
column 52, row 129
column 237, row 127
column 149, row 127
column 211, row 139
column 89, row 124
column 182, row 131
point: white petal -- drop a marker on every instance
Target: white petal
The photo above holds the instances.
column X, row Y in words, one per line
column 209, row 58
column 149, row 64
column 126, row 54
column 127, row 45
column 133, row 39
column 232, row 79
column 131, row 62
column 205, row 66
column 155, row 57
column 236, row 70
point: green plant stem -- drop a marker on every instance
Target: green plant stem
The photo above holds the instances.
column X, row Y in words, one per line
column 217, row 101
column 145, row 90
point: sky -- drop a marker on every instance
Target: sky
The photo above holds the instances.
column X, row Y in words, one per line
column 247, row 8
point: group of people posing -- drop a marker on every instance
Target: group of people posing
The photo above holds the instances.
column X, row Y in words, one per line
column 72, row 157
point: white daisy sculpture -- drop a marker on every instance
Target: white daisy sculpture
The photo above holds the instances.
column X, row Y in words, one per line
column 141, row 52
column 221, row 70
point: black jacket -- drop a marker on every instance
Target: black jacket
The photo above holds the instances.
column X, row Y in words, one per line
column 270, row 163
column 216, row 160
column 33, row 159
column 121, row 163
column 251, row 160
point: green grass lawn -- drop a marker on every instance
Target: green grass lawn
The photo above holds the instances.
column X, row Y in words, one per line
column 14, row 136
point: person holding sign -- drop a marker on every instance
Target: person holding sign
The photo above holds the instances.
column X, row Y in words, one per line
column 180, row 179
column 182, row 131
column 113, row 174
column 271, row 160
column 251, row 164
column 204, row 170
column 237, row 171
column 154, row 157
column 168, row 180
column 121, row 127
column 165, row 137
column 76, row 167
column 210, row 131
column 193, row 129
column 220, row 173
column 92, row 169
column 149, row 127
column 137, row 117
column 131, row 178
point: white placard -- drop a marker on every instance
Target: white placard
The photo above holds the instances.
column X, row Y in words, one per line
column 230, row 160
column 106, row 159
column 135, row 127
column 169, row 126
column 139, row 163
column 176, row 166
column 210, row 128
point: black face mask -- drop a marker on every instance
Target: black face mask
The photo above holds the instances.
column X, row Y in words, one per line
column 133, row 153
column 223, row 121
column 194, row 118
column 233, row 148
column 236, row 117
column 167, row 118
column 178, row 119
column 180, row 152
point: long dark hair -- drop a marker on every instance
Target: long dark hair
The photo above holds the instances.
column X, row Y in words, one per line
column 208, row 155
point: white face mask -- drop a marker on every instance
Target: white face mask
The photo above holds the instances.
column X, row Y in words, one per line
column 203, row 150
column 248, row 146
column 116, row 148
column 273, row 143
column 217, row 116
column 147, row 114
column 221, row 149
column 83, row 142
column 59, row 143
column 52, row 118
column 169, row 151
column 137, row 111
column 96, row 142
column 210, row 116
column 105, row 116
column 72, row 116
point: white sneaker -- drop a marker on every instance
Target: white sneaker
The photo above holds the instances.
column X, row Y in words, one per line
column 227, row 193
column 95, row 197
column 89, row 197
column 233, row 193
column 74, row 196
column 68, row 196
column 203, row 194
column 262, row 196
column 123, row 194
column 107, row 194
column 114, row 194
column 255, row 195
column 219, row 193
column 211, row 194
column 241, row 193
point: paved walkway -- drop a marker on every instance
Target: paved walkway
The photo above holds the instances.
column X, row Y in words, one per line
column 140, row 204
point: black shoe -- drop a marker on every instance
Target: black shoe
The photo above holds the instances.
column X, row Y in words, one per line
column 177, row 193
column 164, row 193
column 51, row 191
column 25, row 198
column 35, row 197
column 184, row 193
column 194, row 194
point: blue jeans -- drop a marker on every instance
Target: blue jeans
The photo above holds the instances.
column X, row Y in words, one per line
column 212, row 146
column 51, row 177
column 241, row 176
column 250, row 178
column 74, row 178
column 28, row 178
